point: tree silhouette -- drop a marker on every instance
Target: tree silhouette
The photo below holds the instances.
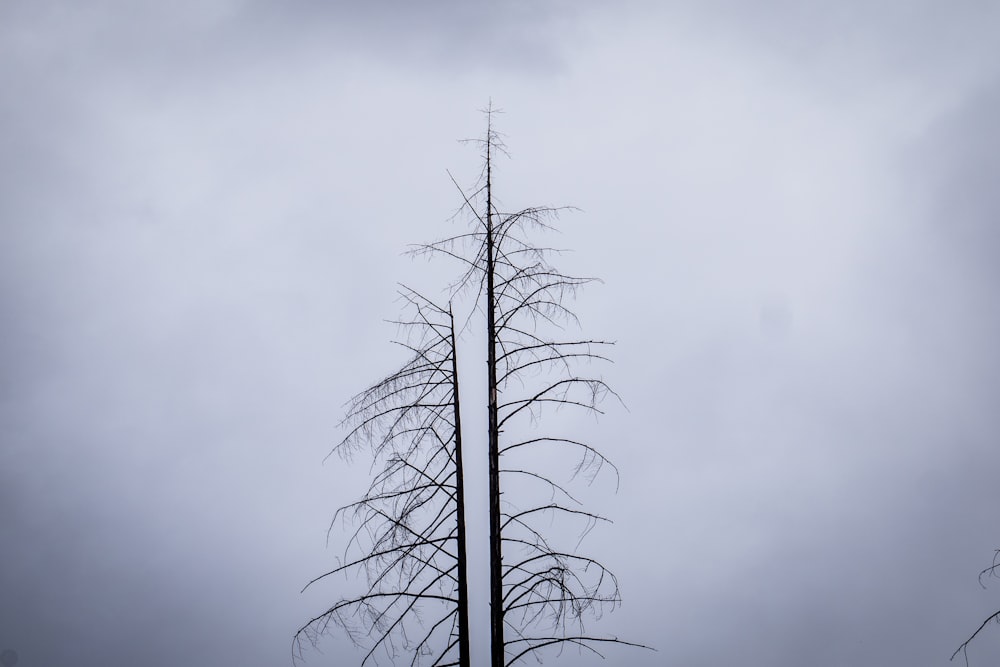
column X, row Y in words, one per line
column 410, row 535
column 409, row 540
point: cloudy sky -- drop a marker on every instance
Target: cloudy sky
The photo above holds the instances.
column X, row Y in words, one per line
column 793, row 207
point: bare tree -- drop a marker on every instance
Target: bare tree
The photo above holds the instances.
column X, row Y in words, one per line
column 991, row 571
column 540, row 592
column 409, row 537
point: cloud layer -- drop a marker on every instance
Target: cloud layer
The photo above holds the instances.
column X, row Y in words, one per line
column 793, row 210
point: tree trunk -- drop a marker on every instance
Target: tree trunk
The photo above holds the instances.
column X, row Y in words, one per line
column 463, row 585
column 496, row 554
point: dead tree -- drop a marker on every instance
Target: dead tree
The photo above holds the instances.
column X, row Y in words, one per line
column 541, row 591
column 409, row 540
column 991, row 571
column 409, row 536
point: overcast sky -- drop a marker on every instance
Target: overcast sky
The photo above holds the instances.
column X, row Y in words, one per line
column 793, row 207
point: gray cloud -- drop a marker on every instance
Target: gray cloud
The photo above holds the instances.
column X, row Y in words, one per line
column 201, row 216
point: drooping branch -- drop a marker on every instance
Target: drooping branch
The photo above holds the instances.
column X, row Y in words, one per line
column 991, row 571
column 963, row 648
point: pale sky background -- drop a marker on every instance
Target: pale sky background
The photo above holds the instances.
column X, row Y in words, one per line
column 793, row 206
